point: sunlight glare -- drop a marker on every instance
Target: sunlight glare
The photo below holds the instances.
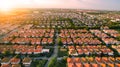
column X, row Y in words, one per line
column 6, row 5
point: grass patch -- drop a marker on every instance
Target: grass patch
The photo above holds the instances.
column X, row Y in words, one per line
column 38, row 63
column 62, row 52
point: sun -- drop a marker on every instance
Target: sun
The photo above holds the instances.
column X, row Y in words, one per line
column 6, row 5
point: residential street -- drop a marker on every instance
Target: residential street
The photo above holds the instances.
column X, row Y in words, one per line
column 55, row 50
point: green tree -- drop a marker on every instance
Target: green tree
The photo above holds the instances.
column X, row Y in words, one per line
column 52, row 62
column 6, row 53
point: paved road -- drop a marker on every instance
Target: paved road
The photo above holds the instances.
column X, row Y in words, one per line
column 39, row 58
column 49, row 47
column 55, row 50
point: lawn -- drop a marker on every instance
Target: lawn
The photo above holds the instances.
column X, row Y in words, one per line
column 62, row 52
column 38, row 63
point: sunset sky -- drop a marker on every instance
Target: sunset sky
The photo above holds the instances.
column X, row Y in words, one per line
column 83, row 4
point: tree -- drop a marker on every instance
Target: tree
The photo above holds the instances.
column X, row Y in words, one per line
column 17, row 56
column 52, row 62
column 6, row 53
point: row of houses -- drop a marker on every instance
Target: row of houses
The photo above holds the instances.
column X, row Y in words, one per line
column 79, row 50
column 81, row 36
column 23, row 49
column 33, row 33
column 76, row 35
column 116, row 48
column 74, row 31
column 110, row 41
column 81, row 33
column 69, row 36
column 15, row 62
column 80, row 41
column 93, row 62
column 112, row 32
column 104, row 35
column 32, row 41
column 53, row 24
column 35, row 36
column 91, row 41
column 99, row 33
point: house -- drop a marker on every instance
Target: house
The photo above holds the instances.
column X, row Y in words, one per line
column 45, row 50
column 86, row 65
column 15, row 60
column 110, row 65
column 27, row 62
column 16, row 65
column 37, row 51
column 5, row 65
column 30, row 51
column 5, row 61
column 117, row 65
column 72, row 50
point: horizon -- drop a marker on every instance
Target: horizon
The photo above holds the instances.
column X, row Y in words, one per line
column 67, row 4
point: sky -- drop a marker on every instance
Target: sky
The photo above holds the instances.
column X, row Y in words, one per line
column 82, row 4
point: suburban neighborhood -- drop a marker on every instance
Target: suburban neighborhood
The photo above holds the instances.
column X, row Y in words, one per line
column 60, row 38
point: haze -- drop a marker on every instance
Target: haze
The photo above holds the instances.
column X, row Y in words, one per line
column 82, row 4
